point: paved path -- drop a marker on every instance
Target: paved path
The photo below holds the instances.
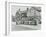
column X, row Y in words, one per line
column 22, row 27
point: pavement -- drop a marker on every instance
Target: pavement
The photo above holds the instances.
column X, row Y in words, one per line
column 23, row 27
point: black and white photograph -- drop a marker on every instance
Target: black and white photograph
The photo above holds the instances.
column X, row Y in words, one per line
column 25, row 17
column 22, row 18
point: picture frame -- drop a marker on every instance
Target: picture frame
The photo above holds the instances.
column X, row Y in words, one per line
column 12, row 7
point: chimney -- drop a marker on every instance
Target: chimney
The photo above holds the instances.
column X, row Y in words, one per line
column 27, row 9
column 19, row 9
